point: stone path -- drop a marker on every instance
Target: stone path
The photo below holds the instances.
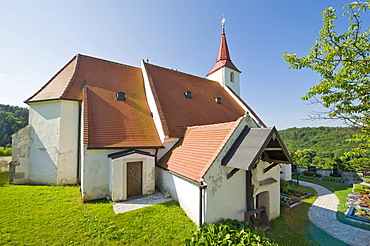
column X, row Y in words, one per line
column 323, row 214
column 156, row 198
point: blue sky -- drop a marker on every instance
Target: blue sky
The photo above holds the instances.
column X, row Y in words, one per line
column 39, row 37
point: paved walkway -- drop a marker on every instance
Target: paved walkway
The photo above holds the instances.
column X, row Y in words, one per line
column 156, row 198
column 323, row 214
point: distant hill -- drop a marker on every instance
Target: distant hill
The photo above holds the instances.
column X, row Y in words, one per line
column 12, row 119
column 319, row 146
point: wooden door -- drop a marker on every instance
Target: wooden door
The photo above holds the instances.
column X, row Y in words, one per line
column 134, row 179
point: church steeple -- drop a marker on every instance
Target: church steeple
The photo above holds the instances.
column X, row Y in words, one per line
column 224, row 71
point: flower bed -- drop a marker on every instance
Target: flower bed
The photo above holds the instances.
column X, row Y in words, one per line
column 288, row 202
column 298, row 193
column 334, row 179
column 359, row 203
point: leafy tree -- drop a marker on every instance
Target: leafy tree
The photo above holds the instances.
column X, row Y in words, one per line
column 343, row 62
column 304, row 157
column 12, row 119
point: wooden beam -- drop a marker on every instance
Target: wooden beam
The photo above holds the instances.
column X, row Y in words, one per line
column 270, row 167
column 232, row 172
column 273, row 148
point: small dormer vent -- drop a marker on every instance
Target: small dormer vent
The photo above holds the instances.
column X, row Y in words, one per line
column 218, row 100
column 120, row 96
column 188, row 94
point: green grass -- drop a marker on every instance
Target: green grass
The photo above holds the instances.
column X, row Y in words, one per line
column 341, row 191
column 293, row 227
column 55, row 215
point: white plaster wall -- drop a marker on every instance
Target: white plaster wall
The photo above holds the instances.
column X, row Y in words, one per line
column 95, row 174
column 118, row 181
column 20, row 155
column 286, row 172
column 44, row 117
column 152, row 104
column 182, row 191
column 273, row 189
column 222, row 76
column 68, row 143
column 53, row 152
column 226, row 198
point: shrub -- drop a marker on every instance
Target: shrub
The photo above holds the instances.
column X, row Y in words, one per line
column 284, row 187
column 5, row 152
column 229, row 232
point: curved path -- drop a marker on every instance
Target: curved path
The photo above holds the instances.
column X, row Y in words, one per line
column 323, row 214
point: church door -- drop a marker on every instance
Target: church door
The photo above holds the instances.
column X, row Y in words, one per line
column 134, row 179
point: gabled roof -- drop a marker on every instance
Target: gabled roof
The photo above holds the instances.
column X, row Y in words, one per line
column 177, row 112
column 255, row 143
column 108, row 123
column 223, row 58
column 192, row 156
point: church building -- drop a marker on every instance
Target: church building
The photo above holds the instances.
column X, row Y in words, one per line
column 122, row 132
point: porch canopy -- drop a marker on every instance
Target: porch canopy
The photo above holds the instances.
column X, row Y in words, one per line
column 253, row 144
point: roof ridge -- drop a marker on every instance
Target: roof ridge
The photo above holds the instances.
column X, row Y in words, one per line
column 216, row 124
column 181, row 72
column 51, row 79
column 104, row 60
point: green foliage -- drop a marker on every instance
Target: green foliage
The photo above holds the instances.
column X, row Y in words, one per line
column 322, row 147
column 284, row 186
column 12, row 119
column 363, row 189
column 229, row 232
column 5, row 151
column 343, row 62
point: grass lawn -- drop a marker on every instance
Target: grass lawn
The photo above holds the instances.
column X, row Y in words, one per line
column 290, row 228
column 55, row 215
column 341, row 191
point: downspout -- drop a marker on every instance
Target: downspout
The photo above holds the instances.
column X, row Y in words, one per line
column 202, row 187
column 79, row 143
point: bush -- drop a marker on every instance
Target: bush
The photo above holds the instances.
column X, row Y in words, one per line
column 284, row 187
column 5, row 152
column 229, row 232
column 310, row 173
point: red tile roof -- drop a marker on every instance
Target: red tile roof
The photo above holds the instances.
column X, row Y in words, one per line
column 177, row 112
column 108, row 123
column 193, row 155
column 223, row 58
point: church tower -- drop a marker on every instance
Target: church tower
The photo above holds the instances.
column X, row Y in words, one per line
column 224, row 71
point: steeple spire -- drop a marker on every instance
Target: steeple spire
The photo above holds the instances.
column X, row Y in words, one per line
column 223, row 58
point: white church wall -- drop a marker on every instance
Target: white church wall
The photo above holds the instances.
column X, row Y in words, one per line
column 272, row 189
column 53, row 152
column 95, row 174
column 68, row 143
column 226, row 198
column 182, row 191
column 44, row 117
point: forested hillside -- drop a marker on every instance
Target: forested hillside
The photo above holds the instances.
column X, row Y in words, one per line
column 318, row 146
column 12, row 118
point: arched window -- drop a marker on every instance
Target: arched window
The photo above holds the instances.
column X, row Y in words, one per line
column 231, row 76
